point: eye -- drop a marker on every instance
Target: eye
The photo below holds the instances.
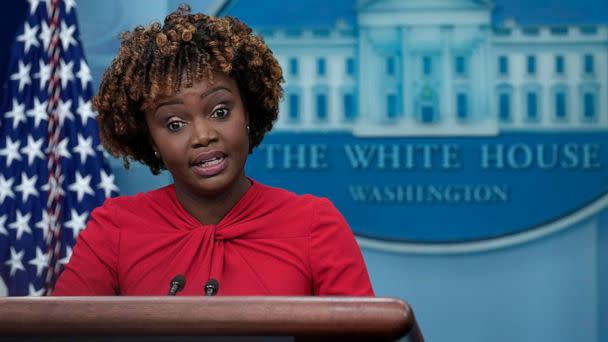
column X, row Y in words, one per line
column 220, row 113
column 175, row 125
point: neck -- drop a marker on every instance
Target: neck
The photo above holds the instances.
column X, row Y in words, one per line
column 211, row 209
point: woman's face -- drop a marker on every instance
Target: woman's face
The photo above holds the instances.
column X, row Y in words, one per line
column 201, row 136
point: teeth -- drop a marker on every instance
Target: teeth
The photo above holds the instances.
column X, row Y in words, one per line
column 212, row 162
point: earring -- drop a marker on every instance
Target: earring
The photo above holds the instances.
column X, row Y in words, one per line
column 156, row 155
column 247, row 128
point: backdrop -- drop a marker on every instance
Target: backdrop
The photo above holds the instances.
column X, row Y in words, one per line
column 464, row 141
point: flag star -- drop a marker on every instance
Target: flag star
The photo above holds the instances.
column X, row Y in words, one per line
column 27, row 186
column 38, row 112
column 84, row 148
column 52, row 187
column 41, row 261
column 44, row 74
column 84, row 74
column 65, row 111
column 66, row 258
column 21, row 224
column 68, row 5
column 11, row 151
column 65, row 72
column 63, row 148
column 29, row 36
column 17, row 113
column 33, row 149
column 15, row 262
column 77, row 222
column 85, row 111
column 45, row 35
column 33, row 5
column 3, row 230
column 66, row 35
column 23, row 75
column 35, row 293
column 107, row 184
column 6, row 188
column 81, row 186
column 44, row 223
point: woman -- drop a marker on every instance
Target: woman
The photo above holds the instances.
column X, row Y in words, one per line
column 195, row 96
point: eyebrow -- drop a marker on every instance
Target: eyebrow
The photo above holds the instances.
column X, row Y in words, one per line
column 173, row 100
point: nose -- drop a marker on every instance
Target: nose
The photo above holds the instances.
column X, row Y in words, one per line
column 204, row 133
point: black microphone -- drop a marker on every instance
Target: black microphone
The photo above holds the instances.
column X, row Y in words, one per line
column 211, row 287
column 177, row 284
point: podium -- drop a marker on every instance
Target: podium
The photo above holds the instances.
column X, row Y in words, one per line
column 207, row 319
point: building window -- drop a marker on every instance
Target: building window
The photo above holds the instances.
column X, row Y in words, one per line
column 532, row 106
column 321, row 107
column 504, row 107
column 427, row 65
column 294, row 107
column 390, row 66
column 560, row 105
column 293, row 67
column 460, row 66
column 350, row 113
column 461, row 106
column 391, row 106
column 559, row 65
column 321, row 67
column 588, row 64
column 589, row 110
column 350, row 66
column 503, row 66
column 531, row 65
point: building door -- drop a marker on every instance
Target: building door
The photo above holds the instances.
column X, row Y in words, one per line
column 427, row 105
column 428, row 114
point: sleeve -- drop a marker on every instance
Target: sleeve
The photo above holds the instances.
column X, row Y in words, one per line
column 91, row 270
column 336, row 261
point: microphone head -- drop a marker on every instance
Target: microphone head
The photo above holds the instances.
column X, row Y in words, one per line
column 179, row 281
column 211, row 287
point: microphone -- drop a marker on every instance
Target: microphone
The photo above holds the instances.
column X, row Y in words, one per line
column 177, row 284
column 211, row 287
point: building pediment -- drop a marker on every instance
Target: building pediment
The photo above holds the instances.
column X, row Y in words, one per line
column 398, row 5
column 396, row 13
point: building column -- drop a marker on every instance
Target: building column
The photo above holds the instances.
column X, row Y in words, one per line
column 484, row 100
column 334, row 98
column 479, row 88
column 365, row 89
column 447, row 94
column 407, row 93
column 308, row 79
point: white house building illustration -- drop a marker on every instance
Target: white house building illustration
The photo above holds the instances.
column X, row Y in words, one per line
column 440, row 67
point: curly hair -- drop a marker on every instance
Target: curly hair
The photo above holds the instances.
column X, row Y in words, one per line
column 156, row 61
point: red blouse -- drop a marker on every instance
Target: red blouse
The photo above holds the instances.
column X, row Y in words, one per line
column 272, row 242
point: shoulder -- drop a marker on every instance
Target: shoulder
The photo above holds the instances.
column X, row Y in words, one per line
column 134, row 205
column 141, row 198
column 305, row 207
column 284, row 197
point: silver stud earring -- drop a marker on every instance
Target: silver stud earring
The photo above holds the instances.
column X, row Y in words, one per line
column 156, row 154
column 247, row 128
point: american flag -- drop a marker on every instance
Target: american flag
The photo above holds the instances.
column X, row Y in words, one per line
column 52, row 167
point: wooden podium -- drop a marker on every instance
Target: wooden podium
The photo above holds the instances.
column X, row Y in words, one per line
column 207, row 319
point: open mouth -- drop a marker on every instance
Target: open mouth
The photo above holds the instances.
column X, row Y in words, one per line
column 210, row 165
column 211, row 162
